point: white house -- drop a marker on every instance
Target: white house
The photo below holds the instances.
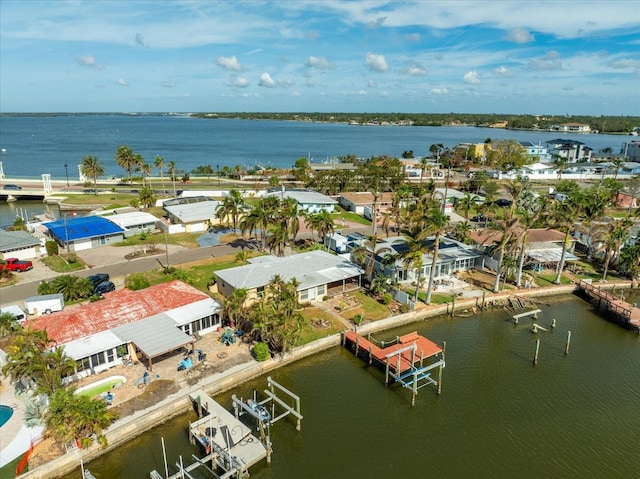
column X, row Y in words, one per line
column 309, row 201
column 18, row 244
column 191, row 214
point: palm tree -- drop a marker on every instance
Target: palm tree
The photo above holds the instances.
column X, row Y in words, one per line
column 424, row 162
column 561, row 164
column 145, row 169
column 505, row 227
column 172, row 171
column 277, row 239
column 466, row 203
column 232, row 207
column 159, row 163
column 323, row 223
column 612, row 239
column 92, row 168
column 72, row 287
column 630, row 261
column 563, row 216
column 147, row 197
column 437, row 224
column 126, row 159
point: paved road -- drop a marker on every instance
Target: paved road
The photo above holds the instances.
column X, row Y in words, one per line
column 110, row 259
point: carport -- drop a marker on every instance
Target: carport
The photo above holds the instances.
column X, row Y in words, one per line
column 153, row 336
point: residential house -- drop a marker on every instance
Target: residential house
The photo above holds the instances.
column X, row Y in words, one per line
column 358, row 201
column 543, row 248
column 149, row 322
column 191, row 214
column 85, row 232
column 571, row 150
column 18, row 244
column 537, row 152
column 318, row 274
column 308, row 201
column 632, row 150
column 571, row 128
column 134, row 222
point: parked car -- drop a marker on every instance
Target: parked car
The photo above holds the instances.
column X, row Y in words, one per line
column 98, row 278
column 12, row 187
column 14, row 264
column 479, row 217
column 105, row 287
column 503, row 202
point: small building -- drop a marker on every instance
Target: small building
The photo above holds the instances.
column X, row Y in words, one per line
column 358, row 201
column 308, row 201
column 135, row 222
column 318, row 274
column 85, row 232
column 18, row 244
column 571, row 150
column 571, row 127
column 191, row 214
column 148, row 322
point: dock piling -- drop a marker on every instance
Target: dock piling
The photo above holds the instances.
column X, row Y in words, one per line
column 535, row 358
column 566, row 348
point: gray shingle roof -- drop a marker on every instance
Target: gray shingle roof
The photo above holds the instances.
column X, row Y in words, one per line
column 13, row 240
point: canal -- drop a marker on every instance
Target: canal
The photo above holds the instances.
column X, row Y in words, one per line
column 575, row 415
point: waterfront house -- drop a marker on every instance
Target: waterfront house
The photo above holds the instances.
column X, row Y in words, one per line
column 191, row 214
column 318, row 274
column 453, row 256
column 149, row 322
column 357, row 201
column 537, row 152
column 18, row 244
column 543, row 248
column 571, row 150
column 85, row 232
column 133, row 222
column 571, row 127
column 308, row 201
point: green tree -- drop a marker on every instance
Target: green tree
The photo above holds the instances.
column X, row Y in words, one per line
column 72, row 287
column 507, row 155
column 126, row 159
column 72, row 417
column 172, row 171
column 136, row 281
column 147, row 197
column 232, row 207
column 611, row 239
column 630, row 261
column 92, row 168
column 159, row 163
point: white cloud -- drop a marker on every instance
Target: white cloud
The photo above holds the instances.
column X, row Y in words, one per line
column 415, row 69
column 371, row 84
column 139, row 40
column 439, row 91
column 229, row 63
column 87, row 61
column 377, row 63
column 377, row 23
column 168, row 84
column 625, row 63
column 362, row 93
column 471, row 77
column 296, row 93
column 548, row 62
column 519, row 35
column 319, row 63
column 502, row 72
column 412, row 37
column 122, row 82
column 266, row 81
column 238, row 82
column 288, row 83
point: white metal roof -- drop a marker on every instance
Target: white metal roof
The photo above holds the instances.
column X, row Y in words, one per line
column 96, row 343
column 135, row 218
column 304, row 197
column 191, row 212
column 200, row 309
column 154, row 336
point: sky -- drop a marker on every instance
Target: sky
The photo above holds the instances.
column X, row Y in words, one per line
column 513, row 57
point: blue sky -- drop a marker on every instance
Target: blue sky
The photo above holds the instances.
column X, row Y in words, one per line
column 554, row 57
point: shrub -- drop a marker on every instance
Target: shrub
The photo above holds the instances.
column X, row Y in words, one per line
column 325, row 298
column 261, row 352
column 52, row 248
column 72, row 258
column 136, row 281
column 404, row 308
column 387, row 299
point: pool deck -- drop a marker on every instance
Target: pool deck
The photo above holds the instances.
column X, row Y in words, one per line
column 15, row 437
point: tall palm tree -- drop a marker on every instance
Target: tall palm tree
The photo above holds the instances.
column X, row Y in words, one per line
column 424, row 162
column 277, row 239
column 172, row 171
column 159, row 163
column 611, row 240
column 72, row 287
column 505, row 227
column 128, row 160
column 465, row 204
column 562, row 216
column 436, row 223
column 92, row 168
column 232, row 207
column 145, row 169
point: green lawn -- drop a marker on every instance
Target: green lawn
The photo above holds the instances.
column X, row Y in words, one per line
column 59, row 264
column 371, row 309
column 349, row 216
column 310, row 332
column 188, row 240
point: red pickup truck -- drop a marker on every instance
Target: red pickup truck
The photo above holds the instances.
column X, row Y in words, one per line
column 14, row 264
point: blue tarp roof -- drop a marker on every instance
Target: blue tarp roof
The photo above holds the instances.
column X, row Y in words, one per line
column 84, row 227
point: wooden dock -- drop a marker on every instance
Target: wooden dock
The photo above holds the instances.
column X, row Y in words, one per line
column 622, row 311
column 403, row 358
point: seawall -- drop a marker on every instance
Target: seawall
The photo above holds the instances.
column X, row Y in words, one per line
column 131, row 426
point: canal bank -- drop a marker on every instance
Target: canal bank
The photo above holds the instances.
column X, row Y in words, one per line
column 130, row 427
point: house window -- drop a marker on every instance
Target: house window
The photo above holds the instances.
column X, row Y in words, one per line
column 97, row 359
column 260, row 291
column 103, row 240
column 110, row 355
column 304, row 295
column 322, row 290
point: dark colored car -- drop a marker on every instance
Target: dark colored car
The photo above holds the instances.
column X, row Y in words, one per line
column 98, row 278
column 479, row 217
column 12, row 187
column 503, row 202
column 105, row 287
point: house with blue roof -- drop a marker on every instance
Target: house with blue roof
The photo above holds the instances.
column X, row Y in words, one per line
column 85, row 232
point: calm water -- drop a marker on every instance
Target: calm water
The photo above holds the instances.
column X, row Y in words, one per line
column 498, row 416
column 36, row 145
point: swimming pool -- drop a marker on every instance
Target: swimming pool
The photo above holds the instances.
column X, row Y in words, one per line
column 101, row 386
column 5, row 414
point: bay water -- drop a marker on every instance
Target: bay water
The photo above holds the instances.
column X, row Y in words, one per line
column 33, row 145
column 569, row 416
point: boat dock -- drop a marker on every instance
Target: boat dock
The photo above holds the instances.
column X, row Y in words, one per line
column 626, row 313
column 403, row 358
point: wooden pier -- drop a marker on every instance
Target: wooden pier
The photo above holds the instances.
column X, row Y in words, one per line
column 534, row 314
column 623, row 312
column 403, row 358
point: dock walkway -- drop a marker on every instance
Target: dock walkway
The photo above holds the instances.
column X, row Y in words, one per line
column 627, row 313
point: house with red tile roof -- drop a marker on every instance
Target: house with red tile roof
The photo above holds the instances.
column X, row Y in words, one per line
column 148, row 322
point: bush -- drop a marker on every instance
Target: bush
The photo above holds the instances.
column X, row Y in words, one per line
column 136, row 281
column 325, row 298
column 404, row 308
column 52, row 248
column 261, row 352
column 72, row 258
column 387, row 299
